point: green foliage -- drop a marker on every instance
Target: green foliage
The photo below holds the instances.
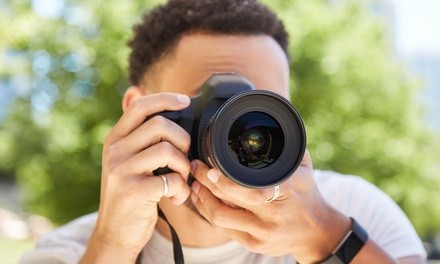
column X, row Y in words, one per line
column 360, row 111
column 77, row 64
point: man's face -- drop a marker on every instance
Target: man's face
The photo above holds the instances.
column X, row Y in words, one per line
column 197, row 56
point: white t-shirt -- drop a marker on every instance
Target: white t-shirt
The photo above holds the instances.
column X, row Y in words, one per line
column 384, row 221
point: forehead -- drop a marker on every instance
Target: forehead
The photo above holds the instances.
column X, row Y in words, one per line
column 197, row 56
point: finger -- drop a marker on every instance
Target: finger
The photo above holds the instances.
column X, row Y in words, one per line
column 226, row 189
column 302, row 180
column 263, row 244
column 151, row 188
column 163, row 154
column 307, row 159
column 178, row 189
column 239, row 224
column 220, row 214
column 153, row 131
column 143, row 107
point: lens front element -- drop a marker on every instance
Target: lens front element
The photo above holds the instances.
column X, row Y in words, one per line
column 256, row 140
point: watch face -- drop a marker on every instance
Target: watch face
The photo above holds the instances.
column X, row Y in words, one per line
column 350, row 248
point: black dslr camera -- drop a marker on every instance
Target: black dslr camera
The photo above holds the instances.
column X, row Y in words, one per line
column 254, row 137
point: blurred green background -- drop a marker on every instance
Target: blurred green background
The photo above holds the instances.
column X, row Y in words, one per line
column 68, row 69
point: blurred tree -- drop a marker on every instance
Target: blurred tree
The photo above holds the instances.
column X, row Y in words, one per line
column 67, row 66
column 362, row 115
column 70, row 70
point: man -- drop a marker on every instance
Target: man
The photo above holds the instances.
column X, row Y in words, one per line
column 176, row 48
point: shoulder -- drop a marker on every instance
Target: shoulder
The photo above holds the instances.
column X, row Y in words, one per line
column 65, row 244
column 348, row 191
column 383, row 219
column 356, row 197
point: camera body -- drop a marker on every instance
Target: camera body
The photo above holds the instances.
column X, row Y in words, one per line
column 254, row 137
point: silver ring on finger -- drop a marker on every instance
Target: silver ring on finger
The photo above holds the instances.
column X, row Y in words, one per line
column 165, row 185
column 276, row 194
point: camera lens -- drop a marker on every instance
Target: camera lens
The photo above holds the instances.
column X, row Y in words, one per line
column 256, row 140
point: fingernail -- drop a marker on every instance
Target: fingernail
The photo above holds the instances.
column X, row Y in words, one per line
column 193, row 167
column 196, row 186
column 183, row 99
column 213, row 176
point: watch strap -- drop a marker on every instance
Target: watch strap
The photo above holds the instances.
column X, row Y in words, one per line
column 350, row 246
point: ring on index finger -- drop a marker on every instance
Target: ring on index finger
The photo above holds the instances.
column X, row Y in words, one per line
column 276, row 194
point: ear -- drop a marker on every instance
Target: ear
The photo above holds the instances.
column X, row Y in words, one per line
column 132, row 93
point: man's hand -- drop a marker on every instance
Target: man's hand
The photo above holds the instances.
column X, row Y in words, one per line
column 298, row 222
column 129, row 190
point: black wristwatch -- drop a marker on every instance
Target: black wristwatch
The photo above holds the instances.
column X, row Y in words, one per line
column 352, row 243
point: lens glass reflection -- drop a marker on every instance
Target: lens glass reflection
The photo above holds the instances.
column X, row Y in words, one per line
column 256, row 140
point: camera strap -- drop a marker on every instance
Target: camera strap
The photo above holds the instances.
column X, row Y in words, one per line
column 177, row 247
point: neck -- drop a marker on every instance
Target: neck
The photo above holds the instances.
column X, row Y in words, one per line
column 192, row 229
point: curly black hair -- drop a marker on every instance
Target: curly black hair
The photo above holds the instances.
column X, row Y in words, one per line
column 163, row 26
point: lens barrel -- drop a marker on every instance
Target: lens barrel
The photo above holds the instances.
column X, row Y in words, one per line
column 256, row 138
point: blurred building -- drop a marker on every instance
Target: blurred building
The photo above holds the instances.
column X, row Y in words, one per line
column 385, row 10
column 426, row 68
column 423, row 66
